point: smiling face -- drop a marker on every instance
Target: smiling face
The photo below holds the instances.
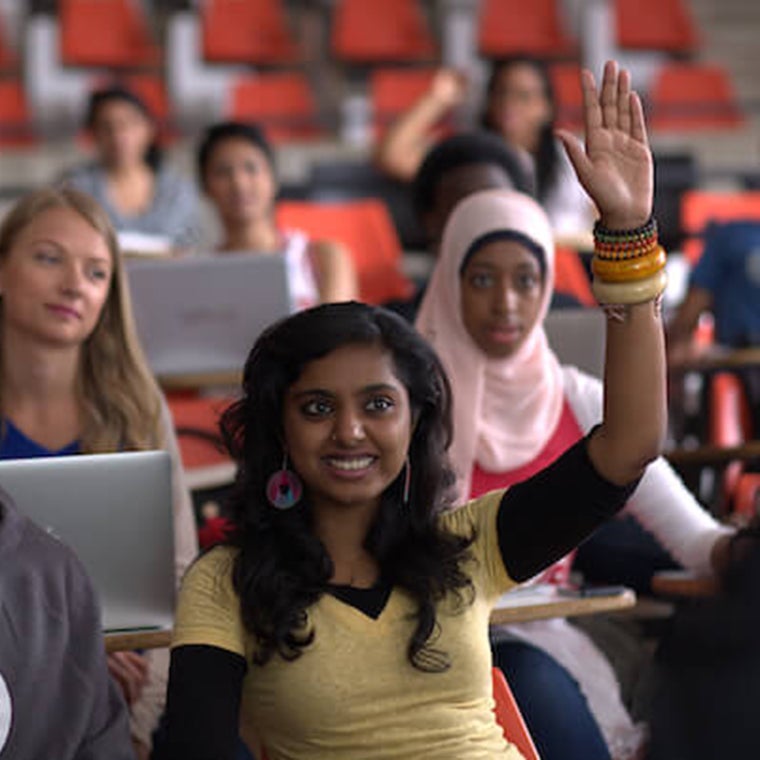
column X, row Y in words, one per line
column 239, row 180
column 348, row 425
column 55, row 279
column 501, row 295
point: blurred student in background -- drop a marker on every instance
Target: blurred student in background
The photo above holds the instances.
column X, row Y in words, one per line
column 519, row 108
column 237, row 172
column 130, row 178
column 73, row 378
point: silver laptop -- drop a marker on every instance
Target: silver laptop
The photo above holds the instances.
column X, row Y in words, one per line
column 577, row 337
column 201, row 315
column 115, row 512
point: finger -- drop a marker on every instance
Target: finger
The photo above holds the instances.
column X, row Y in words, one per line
column 592, row 113
column 126, row 686
column 575, row 152
column 608, row 97
column 624, row 101
column 638, row 123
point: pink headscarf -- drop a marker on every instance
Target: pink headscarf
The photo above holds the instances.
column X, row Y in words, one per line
column 505, row 410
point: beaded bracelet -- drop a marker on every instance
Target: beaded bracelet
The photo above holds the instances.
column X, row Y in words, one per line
column 625, row 244
column 605, row 234
column 629, row 269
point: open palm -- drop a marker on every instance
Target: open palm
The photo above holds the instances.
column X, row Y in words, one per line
column 615, row 167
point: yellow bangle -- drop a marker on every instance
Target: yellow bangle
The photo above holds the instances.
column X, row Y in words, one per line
column 637, row 291
column 629, row 270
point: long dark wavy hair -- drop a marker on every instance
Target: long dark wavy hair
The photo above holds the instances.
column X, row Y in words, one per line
column 282, row 568
column 546, row 155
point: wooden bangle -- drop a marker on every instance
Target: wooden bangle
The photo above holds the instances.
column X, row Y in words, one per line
column 628, row 270
column 638, row 291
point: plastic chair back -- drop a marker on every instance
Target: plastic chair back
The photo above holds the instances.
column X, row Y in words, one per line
column 365, row 228
column 509, row 717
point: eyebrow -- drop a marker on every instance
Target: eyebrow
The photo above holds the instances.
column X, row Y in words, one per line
column 56, row 244
column 374, row 388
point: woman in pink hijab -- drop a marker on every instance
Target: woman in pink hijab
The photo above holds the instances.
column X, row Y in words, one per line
column 516, row 409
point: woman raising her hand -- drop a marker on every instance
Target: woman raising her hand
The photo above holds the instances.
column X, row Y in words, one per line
column 348, row 616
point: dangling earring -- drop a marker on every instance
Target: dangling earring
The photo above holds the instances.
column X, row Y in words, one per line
column 284, row 487
column 407, row 482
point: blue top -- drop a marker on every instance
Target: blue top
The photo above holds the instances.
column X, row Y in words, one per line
column 173, row 212
column 15, row 445
column 730, row 270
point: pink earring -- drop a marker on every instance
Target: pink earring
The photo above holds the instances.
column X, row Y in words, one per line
column 407, row 482
column 284, row 487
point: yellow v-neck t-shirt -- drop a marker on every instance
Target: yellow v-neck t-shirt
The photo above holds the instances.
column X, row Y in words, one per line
column 353, row 694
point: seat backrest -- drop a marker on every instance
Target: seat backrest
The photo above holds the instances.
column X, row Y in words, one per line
column 566, row 82
column 729, row 425
column 665, row 25
column 110, row 33
column 376, row 31
column 509, row 27
column 365, row 228
column 688, row 96
column 509, row 717
column 246, row 31
column 281, row 102
column 570, row 276
column 699, row 208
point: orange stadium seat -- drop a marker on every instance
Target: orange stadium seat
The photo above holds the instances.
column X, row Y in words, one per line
column 15, row 120
column 566, row 82
column 508, row 27
column 699, row 208
column 664, row 25
column 687, row 96
column 366, row 229
column 570, row 276
column 247, row 31
column 110, row 33
column 281, row 102
column 381, row 31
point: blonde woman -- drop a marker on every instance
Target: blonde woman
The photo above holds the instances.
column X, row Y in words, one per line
column 73, row 378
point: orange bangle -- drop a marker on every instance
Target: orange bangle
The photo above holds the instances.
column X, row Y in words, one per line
column 629, row 270
column 640, row 291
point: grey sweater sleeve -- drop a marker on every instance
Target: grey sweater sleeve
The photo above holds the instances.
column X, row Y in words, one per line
column 62, row 700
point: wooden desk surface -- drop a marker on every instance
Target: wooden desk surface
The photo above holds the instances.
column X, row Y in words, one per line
column 706, row 455
column 523, row 605
column 717, row 358
column 130, row 640
column 683, row 583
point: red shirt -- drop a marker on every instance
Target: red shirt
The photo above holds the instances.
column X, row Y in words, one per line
column 567, row 433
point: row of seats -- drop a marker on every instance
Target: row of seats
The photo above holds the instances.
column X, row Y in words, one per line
column 683, row 97
column 117, row 33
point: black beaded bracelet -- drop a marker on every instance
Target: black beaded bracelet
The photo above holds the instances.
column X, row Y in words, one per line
column 606, row 235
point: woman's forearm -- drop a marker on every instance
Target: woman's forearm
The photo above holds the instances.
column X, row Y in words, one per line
column 635, row 411
column 403, row 147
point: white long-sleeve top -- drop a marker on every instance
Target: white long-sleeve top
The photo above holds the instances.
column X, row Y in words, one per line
column 661, row 503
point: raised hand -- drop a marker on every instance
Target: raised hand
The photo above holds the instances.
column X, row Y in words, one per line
column 449, row 87
column 615, row 168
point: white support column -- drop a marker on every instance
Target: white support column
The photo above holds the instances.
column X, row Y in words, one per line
column 57, row 96
column 199, row 90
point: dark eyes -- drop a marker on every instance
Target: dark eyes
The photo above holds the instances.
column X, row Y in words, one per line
column 322, row 407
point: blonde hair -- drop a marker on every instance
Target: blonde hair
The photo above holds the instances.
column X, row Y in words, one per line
column 120, row 400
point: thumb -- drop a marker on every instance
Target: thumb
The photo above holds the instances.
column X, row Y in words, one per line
column 575, row 152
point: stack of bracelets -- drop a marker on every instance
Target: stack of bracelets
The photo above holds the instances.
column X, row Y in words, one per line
column 628, row 266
